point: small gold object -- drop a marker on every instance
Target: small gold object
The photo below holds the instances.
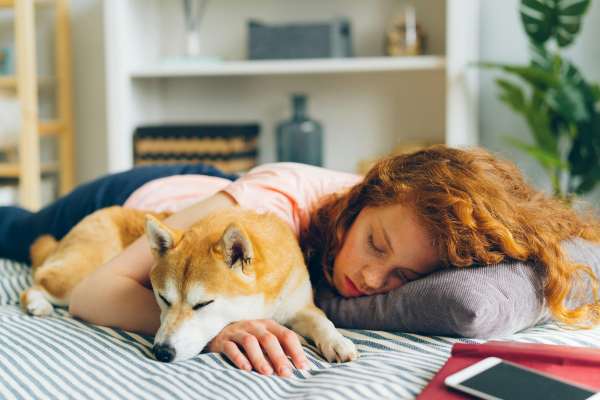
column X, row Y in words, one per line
column 405, row 38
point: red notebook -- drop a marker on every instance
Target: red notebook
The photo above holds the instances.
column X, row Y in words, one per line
column 575, row 364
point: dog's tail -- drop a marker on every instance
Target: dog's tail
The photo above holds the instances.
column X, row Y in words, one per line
column 41, row 249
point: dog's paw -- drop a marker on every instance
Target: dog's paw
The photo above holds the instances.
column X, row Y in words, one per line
column 33, row 302
column 338, row 349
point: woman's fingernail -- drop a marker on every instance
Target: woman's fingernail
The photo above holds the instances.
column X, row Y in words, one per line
column 266, row 370
column 284, row 371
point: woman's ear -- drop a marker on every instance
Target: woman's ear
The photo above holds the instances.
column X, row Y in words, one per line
column 161, row 237
column 237, row 248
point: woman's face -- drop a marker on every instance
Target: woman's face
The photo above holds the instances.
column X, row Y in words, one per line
column 384, row 248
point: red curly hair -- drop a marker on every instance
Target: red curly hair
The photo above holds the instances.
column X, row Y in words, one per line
column 478, row 209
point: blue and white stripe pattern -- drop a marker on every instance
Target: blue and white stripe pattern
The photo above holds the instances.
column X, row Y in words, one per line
column 63, row 358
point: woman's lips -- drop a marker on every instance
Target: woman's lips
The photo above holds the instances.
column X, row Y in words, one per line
column 352, row 289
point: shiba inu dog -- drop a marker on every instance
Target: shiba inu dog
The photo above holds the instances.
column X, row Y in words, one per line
column 232, row 265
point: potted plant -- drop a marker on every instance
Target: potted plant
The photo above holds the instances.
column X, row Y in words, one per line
column 561, row 108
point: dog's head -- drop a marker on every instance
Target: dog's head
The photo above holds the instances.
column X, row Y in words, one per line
column 228, row 267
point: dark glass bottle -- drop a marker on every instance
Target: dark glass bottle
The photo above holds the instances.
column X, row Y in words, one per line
column 300, row 139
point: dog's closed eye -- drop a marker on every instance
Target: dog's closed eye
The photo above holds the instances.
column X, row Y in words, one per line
column 196, row 307
column 200, row 305
column 165, row 300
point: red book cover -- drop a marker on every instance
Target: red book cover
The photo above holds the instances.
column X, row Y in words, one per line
column 575, row 364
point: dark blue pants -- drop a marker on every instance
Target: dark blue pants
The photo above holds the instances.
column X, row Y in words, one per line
column 20, row 227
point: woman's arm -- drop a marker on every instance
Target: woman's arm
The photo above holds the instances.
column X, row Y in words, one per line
column 118, row 294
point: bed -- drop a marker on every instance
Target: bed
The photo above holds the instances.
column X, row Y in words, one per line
column 64, row 358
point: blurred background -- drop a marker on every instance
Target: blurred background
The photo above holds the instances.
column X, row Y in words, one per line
column 89, row 87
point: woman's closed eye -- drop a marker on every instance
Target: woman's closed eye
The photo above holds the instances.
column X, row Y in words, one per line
column 373, row 246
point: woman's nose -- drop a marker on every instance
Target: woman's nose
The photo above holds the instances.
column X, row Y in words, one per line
column 373, row 276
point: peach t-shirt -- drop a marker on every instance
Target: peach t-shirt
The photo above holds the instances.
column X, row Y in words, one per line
column 290, row 190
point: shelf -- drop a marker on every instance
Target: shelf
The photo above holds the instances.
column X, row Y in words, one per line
column 49, row 128
column 183, row 68
column 10, row 81
column 11, row 3
column 11, row 170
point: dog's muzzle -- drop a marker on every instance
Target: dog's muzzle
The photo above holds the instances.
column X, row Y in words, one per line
column 163, row 352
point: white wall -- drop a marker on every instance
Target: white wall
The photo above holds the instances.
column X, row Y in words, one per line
column 87, row 37
column 504, row 40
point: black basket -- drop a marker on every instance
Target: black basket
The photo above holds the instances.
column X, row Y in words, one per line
column 229, row 147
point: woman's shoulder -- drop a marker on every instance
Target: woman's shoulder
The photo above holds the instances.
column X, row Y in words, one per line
column 289, row 189
column 302, row 183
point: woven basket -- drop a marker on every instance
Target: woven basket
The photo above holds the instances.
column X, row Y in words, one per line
column 229, row 147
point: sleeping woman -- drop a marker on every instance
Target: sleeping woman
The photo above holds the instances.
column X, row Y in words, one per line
column 411, row 215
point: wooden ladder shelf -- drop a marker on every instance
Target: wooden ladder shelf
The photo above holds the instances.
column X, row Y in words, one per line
column 29, row 170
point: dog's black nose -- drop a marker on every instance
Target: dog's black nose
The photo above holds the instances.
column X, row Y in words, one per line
column 163, row 352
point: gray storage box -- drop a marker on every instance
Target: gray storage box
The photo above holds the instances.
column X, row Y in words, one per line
column 328, row 39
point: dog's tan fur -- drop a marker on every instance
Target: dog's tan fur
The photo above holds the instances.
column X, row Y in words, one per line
column 243, row 264
column 57, row 267
column 207, row 267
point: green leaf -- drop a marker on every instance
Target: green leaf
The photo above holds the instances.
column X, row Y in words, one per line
column 535, row 113
column 540, row 57
column 544, row 137
column 573, row 8
column 572, row 99
column 588, row 185
column 584, row 155
column 532, row 74
column 569, row 102
column 589, row 181
column 558, row 19
column 549, row 160
column 595, row 90
column 512, row 95
column 537, row 17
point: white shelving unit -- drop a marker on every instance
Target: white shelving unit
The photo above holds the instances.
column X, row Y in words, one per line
column 368, row 104
column 284, row 67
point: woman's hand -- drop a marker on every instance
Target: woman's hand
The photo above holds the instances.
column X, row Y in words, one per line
column 259, row 338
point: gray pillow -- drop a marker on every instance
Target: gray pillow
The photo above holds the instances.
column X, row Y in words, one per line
column 480, row 302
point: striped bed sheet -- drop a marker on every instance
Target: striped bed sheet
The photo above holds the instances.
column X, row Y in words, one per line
column 60, row 357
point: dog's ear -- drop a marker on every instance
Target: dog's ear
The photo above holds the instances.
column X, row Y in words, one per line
column 237, row 248
column 161, row 237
